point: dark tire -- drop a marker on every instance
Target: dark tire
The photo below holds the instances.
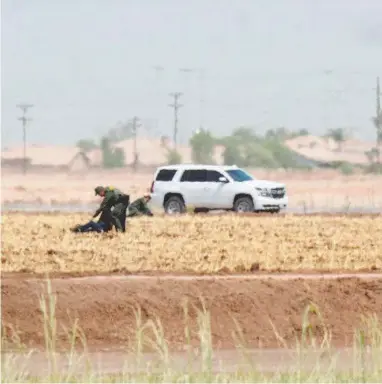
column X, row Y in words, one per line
column 201, row 210
column 243, row 205
column 174, row 205
column 274, row 211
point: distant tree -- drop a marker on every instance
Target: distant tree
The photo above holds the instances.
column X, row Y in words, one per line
column 283, row 134
column 338, row 135
column 122, row 131
column 377, row 120
column 173, row 157
column 118, row 157
column 270, row 133
column 107, row 153
column 257, row 155
column 244, row 133
column 202, row 145
column 86, row 145
column 281, row 154
column 373, row 157
column 244, row 149
column 231, row 153
column 111, row 157
column 370, row 157
column 164, row 141
column 303, row 132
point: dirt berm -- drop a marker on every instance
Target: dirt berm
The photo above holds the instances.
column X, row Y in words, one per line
column 105, row 308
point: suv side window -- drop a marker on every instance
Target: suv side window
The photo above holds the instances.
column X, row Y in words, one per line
column 213, row 176
column 194, row 175
column 165, row 175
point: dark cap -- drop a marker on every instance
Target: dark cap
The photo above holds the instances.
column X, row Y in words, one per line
column 98, row 190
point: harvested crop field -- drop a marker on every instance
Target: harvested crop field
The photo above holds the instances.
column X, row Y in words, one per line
column 175, row 288
column 39, row 243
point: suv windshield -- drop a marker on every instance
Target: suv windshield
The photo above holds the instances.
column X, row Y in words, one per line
column 239, row 175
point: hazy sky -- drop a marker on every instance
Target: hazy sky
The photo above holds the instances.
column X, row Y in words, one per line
column 88, row 64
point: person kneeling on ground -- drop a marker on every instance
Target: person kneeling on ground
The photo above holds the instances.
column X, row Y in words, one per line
column 139, row 207
column 104, row 224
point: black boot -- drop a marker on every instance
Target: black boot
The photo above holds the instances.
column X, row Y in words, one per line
column 76, row 229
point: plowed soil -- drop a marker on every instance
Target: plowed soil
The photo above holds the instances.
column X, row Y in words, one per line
column 105, row 308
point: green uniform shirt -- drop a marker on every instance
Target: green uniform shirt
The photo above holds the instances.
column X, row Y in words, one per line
column 139, row 206
column 111, row 198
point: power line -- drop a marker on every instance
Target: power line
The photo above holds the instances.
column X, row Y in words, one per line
column 24, row 120
column 176, row 107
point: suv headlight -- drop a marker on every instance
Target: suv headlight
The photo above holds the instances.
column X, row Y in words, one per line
column 265, row 192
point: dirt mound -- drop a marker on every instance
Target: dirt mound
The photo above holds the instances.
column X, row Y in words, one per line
column 105, row 308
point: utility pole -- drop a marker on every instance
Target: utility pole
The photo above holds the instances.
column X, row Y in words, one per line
column 176, row 107
column 135, row 134
column 24, row 120
column 378, row 119
column 201, row 99
column 378, row 111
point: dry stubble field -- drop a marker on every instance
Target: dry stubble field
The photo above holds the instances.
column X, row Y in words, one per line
column 266, row 313
column 200, row 244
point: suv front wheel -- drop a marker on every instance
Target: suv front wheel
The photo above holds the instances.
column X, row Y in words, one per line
column 174, row 205
column 243, row 204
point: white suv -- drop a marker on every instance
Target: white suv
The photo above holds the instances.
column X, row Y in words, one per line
column 209, row 187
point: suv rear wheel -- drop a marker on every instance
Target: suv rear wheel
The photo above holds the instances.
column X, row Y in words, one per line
column 174, row 205
column 243, row 204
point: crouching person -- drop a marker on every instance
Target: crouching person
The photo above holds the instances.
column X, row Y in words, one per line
column 114, row 202
column 139, row 207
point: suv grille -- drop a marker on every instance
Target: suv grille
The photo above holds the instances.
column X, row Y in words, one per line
column 278, row 193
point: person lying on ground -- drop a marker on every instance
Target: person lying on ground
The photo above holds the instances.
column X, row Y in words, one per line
column 119, row 201
column 104, row 224
column 139, row 207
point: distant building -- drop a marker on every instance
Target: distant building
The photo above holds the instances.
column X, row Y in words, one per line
column 39, row 157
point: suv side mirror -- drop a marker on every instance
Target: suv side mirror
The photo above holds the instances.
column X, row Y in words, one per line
column 222, row 179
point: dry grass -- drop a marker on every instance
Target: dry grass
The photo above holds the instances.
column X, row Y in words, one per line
column 43, row 243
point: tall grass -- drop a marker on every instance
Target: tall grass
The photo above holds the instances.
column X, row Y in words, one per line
column 200, row 364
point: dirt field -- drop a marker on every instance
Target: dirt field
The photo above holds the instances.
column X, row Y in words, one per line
column 225, row 269
column 263, row 308
column 307, row 190
column 198, row 244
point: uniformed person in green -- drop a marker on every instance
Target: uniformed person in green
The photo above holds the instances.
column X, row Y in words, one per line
column 139, row 207
column 113, row 197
